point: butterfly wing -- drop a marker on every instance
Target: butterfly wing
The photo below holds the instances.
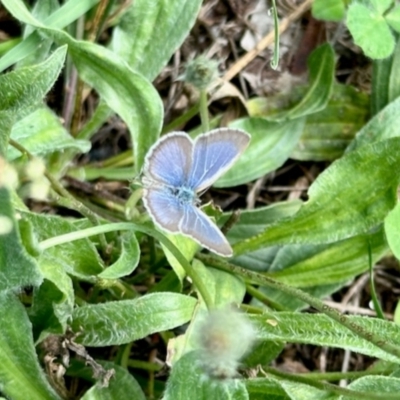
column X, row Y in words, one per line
column 213, row 154
column 199, row 227
column 169, row 160
column 164, row 208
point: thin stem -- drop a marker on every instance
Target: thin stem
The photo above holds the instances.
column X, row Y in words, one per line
column 342, row 319
column 123, row 226
column 328, row 387
column 205, row 121
column 375, row 301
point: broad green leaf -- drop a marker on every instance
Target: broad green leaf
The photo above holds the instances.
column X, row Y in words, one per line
column 187, row 381
column 21, row 376
column 78, row 258
column 150, row 32
column 128, row 260
column 328, row 10
column 392, row 230
column 327, row 133
column 321, row 65
column 17, row 268
column 270, row 146
column 41, row 133
column 124, row 321
column 393, row 18
column 382, row 126
column 264, row 388
column 23, row 90
column 253, row 222
column 53, row 301
column 313, row 265
column 320, row 330
column 121, row 385
column 374, row 385
column 125, row 91
column 370, row 31
column 347, row 199
column 69, row 12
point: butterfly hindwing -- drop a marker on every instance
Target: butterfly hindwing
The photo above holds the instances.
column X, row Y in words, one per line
column 199, row 226
column 163, row 207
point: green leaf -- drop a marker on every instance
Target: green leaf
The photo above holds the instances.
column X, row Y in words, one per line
column 120, row 385
column 187, row 381
column 370, row 31
column 21, row 376
column 347, row 199
column 53, row 302
column 381, row 5
column 22, row 90
column 69, row 12
column 264, row 388
column 392, row 229
column 328, row 10
column 327, row 133
column 253, row 222
column 41, row 11
column 41, row 133
column 125, row 91
column 374, row 385
column 313, row 265
column 128, row 260
column 121, row 322
column 78, row 258
column 270, row 146
column 17, row 268
column 321, row 65
column 320, row 330
column 393, row 18
column 140, row 37
column 383, row 126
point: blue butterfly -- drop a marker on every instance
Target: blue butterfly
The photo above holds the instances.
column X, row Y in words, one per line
column 177, row 169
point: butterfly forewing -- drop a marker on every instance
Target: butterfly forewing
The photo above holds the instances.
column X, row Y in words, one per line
column 213, row 154
column 169, row 160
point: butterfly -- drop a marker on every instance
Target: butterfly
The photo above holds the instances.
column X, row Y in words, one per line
column 177, row 169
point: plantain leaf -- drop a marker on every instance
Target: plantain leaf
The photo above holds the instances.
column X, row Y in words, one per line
column 21, row 376
column 347, row 199
column 17, row 268
column 150, row 32
column 119, row 322
column 320, row 330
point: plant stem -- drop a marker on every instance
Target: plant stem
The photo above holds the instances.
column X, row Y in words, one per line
column 122, row 226
column 205, row 121
column 328, row 387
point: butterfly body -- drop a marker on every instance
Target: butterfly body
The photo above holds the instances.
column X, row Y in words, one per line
column 176, row 169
